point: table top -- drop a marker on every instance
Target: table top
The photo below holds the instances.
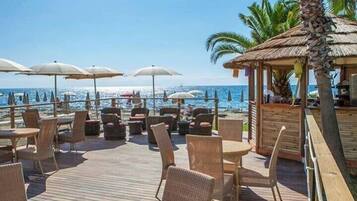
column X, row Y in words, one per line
column 18, row 132
column 231, row 147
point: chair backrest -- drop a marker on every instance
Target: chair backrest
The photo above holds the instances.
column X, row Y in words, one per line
column 110, row 118
column 31, row 118
column 164, row 144
column 205, row 155
column 169, row 110
column 112, row 110
column 45, row 138
column 274, row 156
column 230, row 129
column 79, row 122
column 12, row 185
column 198, row 111
column 152, row 120
column 139, row 110
column 203, row 118
column 187, row 185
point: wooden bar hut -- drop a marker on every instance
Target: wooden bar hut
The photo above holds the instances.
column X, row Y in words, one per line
column 283, row 53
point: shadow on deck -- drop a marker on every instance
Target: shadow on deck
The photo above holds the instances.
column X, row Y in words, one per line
column 118, row 170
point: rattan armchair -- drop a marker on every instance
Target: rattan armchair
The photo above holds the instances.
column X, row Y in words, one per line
column 202, row 124
column 166, row 150
column 152, row 120
column 44, row 148
column 205, row 155
column 230, row 129
column 31, row 119
column 139, row 114
column 187, row 185
column 174, row 112
column 112, row 110
column 113, row 128
column 12, row 184
column 77, row 134
column 267, row 179
column 200, row 110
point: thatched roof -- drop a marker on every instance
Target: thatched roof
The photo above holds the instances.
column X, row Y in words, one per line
column 284, row 49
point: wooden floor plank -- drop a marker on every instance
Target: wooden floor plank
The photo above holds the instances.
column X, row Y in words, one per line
column 118, row 170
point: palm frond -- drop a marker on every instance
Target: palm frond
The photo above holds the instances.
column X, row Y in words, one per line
column 228, row 38
column 223, row 50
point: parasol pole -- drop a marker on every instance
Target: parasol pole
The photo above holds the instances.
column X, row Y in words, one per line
column 153, row 90
column 95, row 95
column 55, row 102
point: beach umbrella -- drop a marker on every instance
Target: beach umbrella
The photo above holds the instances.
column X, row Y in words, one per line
column 52, row 97
column 242, row 96
column 206, row 96
column 37, row 97
column 44, row 97
column 215, row 94
column 127, row 94
column 155, row 71
column 97, row 99
column 11, row 66
column 94, row 73
column 56, row 69
column 165, row 99
column 9, row 99
column 196, row 92
column 69, row 93
column 88, row 103
column 1, row 94
column 181, row 95
column 229, row 96
column 27, row 99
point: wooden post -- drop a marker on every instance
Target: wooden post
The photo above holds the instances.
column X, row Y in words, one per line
column 12, row 116
column 260, row 81
column 342, row 73
column 144, row 102
column 55, row 108
column 269, row 78
column 303, row 95
column 179, row 108
column 216, row 113
column 251, row 97
column 114, row 104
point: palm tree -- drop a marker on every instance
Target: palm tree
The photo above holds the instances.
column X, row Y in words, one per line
column 265, row 21
column 344, row 8
column 317, row 26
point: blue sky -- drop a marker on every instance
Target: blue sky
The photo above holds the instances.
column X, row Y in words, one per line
column 122, row 34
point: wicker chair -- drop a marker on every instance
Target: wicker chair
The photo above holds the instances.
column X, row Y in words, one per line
column 268, row 178
column 112, row 110
column 187, row 185
column 12, row 184
column 200, row 110
column 152, row 120
column 6, row 154
column 230, row 129
column 166, row 150
column 139, row 114
column 174, row 112
column 202, row 124
column 92, row 126
column 77, row 134
column 113, row 128
column 31, row 119
column 44, row 148
column 205, row 155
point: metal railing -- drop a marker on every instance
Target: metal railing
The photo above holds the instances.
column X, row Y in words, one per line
column 113, row 102
column 324, row 179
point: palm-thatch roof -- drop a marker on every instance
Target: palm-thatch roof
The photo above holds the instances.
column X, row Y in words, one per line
column 284, row 49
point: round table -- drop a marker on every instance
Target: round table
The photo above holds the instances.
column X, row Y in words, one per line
column 234, row 150
column 15, row 134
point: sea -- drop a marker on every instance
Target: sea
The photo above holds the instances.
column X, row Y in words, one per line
column 239, row 94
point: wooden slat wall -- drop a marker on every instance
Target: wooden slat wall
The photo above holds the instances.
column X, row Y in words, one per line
column 273, row 117
column 347, row 122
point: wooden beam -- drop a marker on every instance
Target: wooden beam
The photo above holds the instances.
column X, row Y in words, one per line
column 269, row 78
column 303, row 95
column 251, row 96
column 260, row 81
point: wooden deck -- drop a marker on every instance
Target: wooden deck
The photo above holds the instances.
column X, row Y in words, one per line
column 118, row 170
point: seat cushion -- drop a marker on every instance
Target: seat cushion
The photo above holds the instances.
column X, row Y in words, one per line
column 205, row 124
column 136, row 118
column 92, row 122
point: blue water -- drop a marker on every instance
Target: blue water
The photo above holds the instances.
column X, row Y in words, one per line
column 108, row 92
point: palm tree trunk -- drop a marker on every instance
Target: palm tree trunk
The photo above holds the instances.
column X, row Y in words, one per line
column 318, row 26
